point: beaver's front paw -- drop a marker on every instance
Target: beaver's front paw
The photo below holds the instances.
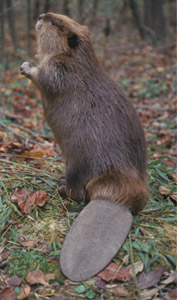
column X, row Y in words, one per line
column 63, row 191
column 26, row 69
column 62, row 188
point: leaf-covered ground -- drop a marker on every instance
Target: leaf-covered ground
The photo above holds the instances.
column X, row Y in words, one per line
column 34, row 218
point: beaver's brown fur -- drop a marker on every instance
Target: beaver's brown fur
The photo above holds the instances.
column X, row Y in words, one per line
column 94, row 123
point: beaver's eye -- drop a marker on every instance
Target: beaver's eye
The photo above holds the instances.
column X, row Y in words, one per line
column 54, row 23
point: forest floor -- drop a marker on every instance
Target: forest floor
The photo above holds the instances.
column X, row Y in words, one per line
column 34, row 219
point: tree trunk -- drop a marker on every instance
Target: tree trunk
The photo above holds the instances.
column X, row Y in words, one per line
column 30, row 51
column 12, row 27
column 57, row 6
column 3, row 42
column 66, row 9
column 136, row 15
column 47, row 6
column 36, row 10
column 107, row 29
column 122, row 17
column 80, row 9
column 154, row 19
column 94, row 11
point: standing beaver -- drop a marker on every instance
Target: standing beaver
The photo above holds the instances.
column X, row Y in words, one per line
column 101, row 139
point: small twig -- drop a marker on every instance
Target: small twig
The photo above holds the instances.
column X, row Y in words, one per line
column 172, row 156
column 45, row 181
column 102, row 294
column 36, row 135
column 148, row 238
column 11, row 8
column 164, row 46
column 156, row 108
column 10, row 116
column 43, row 158
column 30, row 168
column 5, row 231
column 76, row 295
column 152, row 218
column 25, row 129
column 27, row 139
column 133, row 267
column 64, row 206
column 14, row 243
column 172, row 131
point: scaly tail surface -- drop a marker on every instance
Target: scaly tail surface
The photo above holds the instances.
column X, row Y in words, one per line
column 94, row 239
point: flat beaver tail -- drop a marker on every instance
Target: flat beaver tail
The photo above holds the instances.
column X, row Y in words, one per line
column 94, row 238
column 127, row 189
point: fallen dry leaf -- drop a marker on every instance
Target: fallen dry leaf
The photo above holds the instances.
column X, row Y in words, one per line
column 47, row 150
column 29, row 243
column 22, row 110
column 119, row 290
column 171, row 278
column 2, row 244
column 163, row 190
column 15, row 281
column 175, row 100
column 21, row 197
column 100, row 283
column 148, row 294
column 137, row 86
column 36, row 164
column 7, row 294
column 37, row 276
column 160, row 69
column 61, row 298
column 113, row 271
column 174, row 196
column 26, row 198
column 25, row 291
column 34, row 155
column 15, row 147
column 174, row 175
column 138, row 267
column 38, row 197
column 5, row 253
column 50, row 276
column 173, row 294
column 146, row 280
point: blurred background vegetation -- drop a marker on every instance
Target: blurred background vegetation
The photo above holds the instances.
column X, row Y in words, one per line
column 148, row 21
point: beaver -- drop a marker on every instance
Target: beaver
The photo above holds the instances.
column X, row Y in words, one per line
column 101, row 139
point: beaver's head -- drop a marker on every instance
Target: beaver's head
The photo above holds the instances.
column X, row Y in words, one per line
column 59, row 34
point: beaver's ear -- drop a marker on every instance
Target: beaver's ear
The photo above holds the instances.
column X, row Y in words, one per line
column 73, row 41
